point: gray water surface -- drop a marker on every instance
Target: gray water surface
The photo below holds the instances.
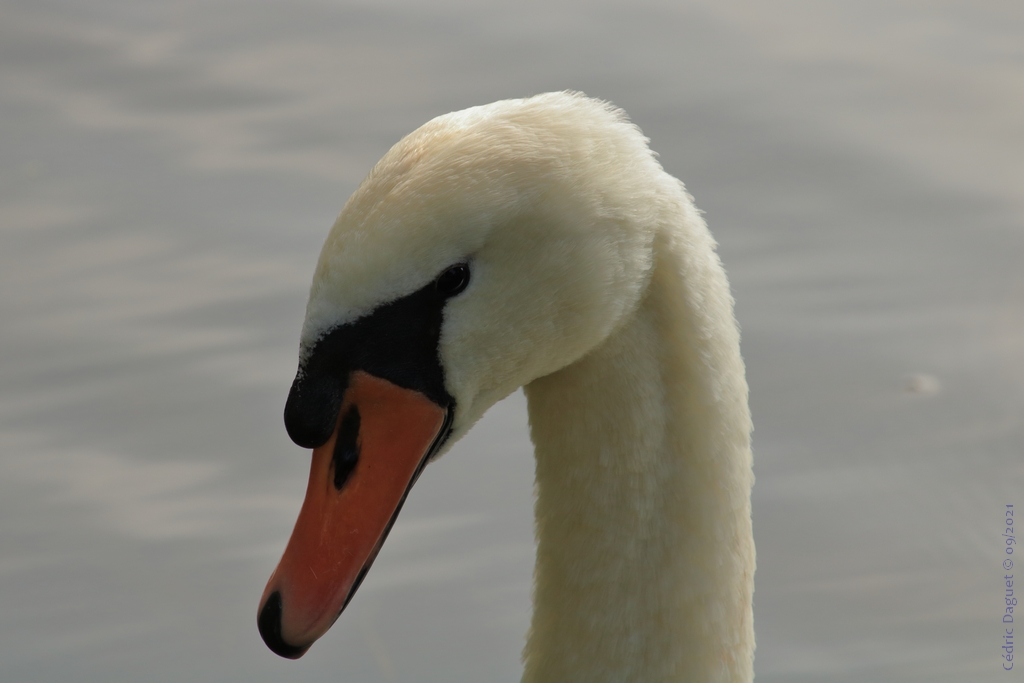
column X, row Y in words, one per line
column 169, row 171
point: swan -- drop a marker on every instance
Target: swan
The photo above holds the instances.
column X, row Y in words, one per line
column 534, row 243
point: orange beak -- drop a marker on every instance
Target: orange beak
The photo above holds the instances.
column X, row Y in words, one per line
column 358, row 481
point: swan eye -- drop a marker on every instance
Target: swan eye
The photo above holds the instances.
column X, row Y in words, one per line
column 453, row 280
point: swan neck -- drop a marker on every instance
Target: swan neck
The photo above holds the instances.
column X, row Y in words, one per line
column 645, row 554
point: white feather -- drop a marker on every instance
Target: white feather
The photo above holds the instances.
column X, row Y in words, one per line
column 595, row 285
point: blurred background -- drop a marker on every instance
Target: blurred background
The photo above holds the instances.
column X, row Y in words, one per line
column 168, row 174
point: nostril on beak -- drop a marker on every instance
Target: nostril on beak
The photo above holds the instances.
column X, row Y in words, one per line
column 269, row 623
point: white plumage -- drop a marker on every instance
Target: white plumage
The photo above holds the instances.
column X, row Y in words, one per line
column 595, row 285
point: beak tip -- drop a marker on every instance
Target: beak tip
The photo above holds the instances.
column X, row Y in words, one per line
column 269, row 623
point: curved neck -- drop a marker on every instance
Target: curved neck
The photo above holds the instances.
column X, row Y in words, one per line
column 645, row 555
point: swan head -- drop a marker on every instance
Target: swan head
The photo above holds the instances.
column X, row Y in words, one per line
column 488, row 248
